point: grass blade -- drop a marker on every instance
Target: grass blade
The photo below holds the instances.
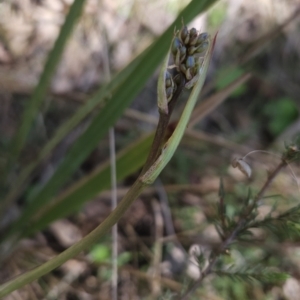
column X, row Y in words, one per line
column 99, row 97
column 129, row 160
column 40, row 91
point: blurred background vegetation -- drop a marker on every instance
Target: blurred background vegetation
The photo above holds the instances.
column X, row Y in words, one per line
column 260, row 112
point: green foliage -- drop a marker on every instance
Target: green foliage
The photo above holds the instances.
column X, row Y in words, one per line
column 238, row 282
column 284, row 226
column 229, row 289
column 182, row 163
column 128, row 161
column 234, row 224
column 100, row 253
column 187, row 215
column 226, row 75
column 254, row 275
column 279, row 114
column 104, row 273
column 41, row 89
column 217, row 14
column 201, row 260
column 168, row 295
column 124, row 258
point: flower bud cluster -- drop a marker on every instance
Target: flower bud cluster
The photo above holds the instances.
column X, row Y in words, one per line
column 188, row 47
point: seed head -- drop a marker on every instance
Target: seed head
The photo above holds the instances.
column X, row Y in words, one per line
column 188, row 49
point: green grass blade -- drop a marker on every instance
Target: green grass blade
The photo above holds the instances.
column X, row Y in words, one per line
column 109, row 114
column 100, row 96
column 129, row 160
column 40, row 91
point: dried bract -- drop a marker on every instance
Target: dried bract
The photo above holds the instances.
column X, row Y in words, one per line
column 242, row 166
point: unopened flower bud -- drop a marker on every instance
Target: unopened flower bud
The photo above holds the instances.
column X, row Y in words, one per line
column 168, row 75
column 189, row 74
column 169, row 93
column 176, row 45
column 177, row 79
column 193, row 36
column 190, row 62
column 184, row 34
column 193, row 32
column 168, row 80
column 182, row 53
column 202, row 47
column 182, row 68
column 168, row 83
column 192, row 50
column 202, row 37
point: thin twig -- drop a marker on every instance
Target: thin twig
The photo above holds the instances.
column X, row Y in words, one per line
column 113, row 206
column 113, row 178
column 261, row 193
column 166, row 212
column 157, row 257
column 222, row 210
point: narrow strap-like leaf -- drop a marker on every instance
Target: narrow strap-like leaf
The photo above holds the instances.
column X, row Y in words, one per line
column 40, row 91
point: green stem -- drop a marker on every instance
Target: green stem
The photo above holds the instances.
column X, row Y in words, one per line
column 40, row 92
column 74, row 250
column 162, row 127
column 45, row 79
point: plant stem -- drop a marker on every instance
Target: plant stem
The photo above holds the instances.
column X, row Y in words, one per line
column 114, row 203
column 74, row 250
column 162, row 127
column 229, row 240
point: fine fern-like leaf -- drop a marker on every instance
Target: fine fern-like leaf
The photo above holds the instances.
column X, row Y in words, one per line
column 256, row 274
column 285, row 225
